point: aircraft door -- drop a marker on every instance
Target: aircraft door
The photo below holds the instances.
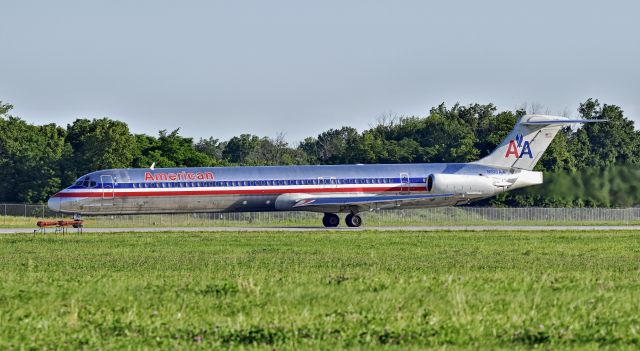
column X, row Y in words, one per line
column 404, row 183
column 107, row 189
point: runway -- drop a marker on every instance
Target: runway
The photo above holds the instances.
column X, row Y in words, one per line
column 479, row 228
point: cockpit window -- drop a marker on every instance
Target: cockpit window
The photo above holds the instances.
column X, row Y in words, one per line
column 86, row 182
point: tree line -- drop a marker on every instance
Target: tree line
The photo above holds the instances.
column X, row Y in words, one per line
column 591, row 166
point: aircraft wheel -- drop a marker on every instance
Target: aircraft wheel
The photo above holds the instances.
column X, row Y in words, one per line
column 353, row 220
column 330, row 220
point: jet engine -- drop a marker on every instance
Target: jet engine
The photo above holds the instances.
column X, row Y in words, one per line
column 462, row 183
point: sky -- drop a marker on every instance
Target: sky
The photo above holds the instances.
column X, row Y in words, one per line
column 223, row 68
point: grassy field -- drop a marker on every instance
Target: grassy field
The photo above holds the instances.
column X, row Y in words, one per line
column 395, row 290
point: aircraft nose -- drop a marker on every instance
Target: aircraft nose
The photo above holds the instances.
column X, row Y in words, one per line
column 54, row 203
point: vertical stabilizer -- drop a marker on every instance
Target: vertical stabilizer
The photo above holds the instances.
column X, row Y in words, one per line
column 527, row 141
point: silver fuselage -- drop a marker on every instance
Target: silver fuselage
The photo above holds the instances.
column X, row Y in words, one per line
column 270, row 188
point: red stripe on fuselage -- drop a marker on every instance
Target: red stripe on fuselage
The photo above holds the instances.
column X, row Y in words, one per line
column 187, row 192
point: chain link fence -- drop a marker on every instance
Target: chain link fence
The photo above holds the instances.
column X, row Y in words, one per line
column 25, row 215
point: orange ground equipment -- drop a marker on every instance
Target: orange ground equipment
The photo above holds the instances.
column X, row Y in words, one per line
column 60, row 225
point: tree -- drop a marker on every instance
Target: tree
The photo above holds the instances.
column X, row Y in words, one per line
column 604, row 144
column 4, row 109
column 275, row 151
column 100, row 144
column 169, row 150
column 211, row 147
column 30, row 160
column 240, row 147
column 337, row 146
column 449, row 140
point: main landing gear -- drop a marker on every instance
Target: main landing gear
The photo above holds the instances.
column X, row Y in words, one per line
column 331, row 220
column 353, row 220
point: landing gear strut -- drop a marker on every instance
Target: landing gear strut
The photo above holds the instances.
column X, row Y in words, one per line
column 353, row 220
column 330, row 220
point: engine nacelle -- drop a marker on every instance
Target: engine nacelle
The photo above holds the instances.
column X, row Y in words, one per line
column 475, row 185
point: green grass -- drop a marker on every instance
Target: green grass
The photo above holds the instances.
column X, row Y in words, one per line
column 396, row 290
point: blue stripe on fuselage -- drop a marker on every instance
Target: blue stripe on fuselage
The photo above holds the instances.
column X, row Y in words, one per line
column 134, row 177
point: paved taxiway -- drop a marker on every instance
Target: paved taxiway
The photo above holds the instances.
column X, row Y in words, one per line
column 480, row 228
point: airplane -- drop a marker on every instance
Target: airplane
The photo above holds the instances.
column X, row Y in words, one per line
column 328, row 189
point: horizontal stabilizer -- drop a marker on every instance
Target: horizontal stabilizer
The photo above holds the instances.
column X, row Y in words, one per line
column 561, row 121
column 364, row 200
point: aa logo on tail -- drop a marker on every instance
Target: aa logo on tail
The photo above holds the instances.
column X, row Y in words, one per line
column 518, row 147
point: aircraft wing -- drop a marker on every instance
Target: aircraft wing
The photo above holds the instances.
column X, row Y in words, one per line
column 364, row 201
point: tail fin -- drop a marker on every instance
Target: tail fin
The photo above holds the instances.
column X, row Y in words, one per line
column 528, row 140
